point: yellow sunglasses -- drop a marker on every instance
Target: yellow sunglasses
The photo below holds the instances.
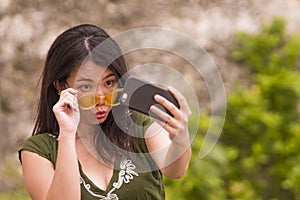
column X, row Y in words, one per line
column 90, row 100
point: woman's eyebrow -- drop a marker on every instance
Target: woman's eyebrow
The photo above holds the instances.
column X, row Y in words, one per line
column 109, row 75
column 85, row 79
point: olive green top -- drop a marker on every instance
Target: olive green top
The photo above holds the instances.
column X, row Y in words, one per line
column 136, row 177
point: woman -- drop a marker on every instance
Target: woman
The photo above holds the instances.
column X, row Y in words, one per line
column 99, row 151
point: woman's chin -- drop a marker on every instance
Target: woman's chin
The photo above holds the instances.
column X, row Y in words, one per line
column 100, row 121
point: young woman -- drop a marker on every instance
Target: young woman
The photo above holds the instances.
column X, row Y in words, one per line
column 86, row 146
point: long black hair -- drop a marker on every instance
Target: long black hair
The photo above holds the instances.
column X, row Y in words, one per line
column 69, row 50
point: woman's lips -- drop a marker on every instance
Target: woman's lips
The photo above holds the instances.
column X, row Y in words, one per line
column 101, row 114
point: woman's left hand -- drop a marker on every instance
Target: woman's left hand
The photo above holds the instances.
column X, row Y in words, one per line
column 178, row 124
column 169, row 146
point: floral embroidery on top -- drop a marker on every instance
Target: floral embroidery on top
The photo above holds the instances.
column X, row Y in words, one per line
column 125, row 176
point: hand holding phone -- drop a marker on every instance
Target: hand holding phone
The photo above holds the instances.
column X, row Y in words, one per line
column 139, row 95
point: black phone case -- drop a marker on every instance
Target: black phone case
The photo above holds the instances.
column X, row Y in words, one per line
column 139, row 95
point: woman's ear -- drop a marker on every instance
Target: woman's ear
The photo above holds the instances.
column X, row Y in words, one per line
column 59, row 85
column 56, row 84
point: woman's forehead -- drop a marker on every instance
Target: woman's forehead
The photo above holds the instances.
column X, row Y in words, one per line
column 91, row 70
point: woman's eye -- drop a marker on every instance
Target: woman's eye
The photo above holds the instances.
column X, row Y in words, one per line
column 85, row 88
column 109, row 83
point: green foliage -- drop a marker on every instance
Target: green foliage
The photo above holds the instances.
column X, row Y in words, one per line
column 12, row 184
column 17, row 194
column 263, row 121
column 257, row 156
column 269, row 50
column 203, row 179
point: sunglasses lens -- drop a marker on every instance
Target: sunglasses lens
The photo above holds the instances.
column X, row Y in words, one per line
column 90, row 100
column 87, row 101
column 112, row 99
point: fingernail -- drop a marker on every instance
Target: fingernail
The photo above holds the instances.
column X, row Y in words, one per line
column 152, row 107
column 170, row 87
column 157, row 97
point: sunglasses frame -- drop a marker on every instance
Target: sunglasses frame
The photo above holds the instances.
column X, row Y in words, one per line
column 97, row 98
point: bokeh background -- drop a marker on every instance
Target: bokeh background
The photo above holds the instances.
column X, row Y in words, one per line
column 255, row 45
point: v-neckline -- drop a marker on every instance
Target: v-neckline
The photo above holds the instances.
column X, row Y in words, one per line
column 93, row 185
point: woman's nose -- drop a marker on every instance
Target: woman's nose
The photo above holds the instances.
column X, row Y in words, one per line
column 100, row 98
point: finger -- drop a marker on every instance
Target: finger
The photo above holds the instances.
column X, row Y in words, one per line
column 70, row 95
column 169, row 106
column 166, row 118
column 168, row 128
column 68, row 101
column 73, row 104
column 69, row 91
column 178, row 96
column 181, row 100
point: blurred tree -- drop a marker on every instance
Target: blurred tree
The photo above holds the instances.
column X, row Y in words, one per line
column 203, row 179
column 262, row 125
column 257, row 156
column 28, row 27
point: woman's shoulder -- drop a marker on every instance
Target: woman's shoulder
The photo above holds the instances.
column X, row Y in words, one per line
column 141, row 119
column 41, row 139
column 43, row 144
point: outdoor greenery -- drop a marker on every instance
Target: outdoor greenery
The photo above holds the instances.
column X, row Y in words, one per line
column 257, row 156
column 266, row 129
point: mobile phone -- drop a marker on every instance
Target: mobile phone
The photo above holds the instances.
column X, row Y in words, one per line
column 138, row 95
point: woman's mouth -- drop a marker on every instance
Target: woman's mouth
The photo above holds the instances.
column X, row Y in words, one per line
column 101, row 114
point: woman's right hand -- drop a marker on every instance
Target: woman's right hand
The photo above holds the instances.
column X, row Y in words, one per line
column 67, row 113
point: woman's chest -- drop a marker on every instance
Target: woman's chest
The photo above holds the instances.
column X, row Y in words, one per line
column 126, row 183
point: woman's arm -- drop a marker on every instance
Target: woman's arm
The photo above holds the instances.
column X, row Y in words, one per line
column 41, row 180
column 65, row 183
column 168, row 141
column 38, row 173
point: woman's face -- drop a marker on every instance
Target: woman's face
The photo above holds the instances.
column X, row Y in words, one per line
column 90, row 79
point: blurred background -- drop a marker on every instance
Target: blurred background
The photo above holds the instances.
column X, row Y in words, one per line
column 255, row 45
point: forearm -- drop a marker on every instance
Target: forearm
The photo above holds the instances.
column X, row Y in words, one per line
column 176, row 158
column 173, row 157
column 66, row 181
column 177, row 168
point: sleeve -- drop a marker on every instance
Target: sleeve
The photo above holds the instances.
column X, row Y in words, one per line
column 141, row 123
column 145, row 160
column 43, row 144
